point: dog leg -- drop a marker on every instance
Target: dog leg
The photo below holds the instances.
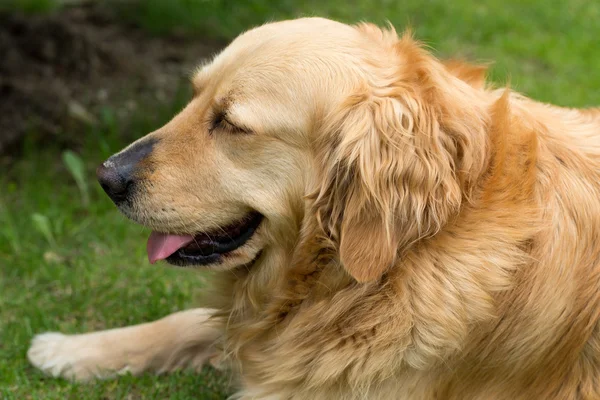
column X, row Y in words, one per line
column 183, row 339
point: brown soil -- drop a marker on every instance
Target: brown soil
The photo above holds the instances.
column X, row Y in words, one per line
column 58, row 71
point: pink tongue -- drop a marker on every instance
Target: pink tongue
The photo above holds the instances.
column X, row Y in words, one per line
column 162, row 245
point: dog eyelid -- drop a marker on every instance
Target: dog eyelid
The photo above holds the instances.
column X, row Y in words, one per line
column 221, row 121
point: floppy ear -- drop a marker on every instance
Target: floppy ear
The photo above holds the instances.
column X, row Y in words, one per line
column 388, row 181
column 390, row 161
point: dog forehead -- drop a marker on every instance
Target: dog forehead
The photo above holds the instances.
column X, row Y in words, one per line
column 294, row 34
column 285, row 72
column 287, row 47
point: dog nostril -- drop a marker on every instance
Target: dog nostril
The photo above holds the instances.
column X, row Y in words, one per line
column 113, row 182
column 117, row 175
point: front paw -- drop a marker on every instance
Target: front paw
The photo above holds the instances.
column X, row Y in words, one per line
column 74, row 357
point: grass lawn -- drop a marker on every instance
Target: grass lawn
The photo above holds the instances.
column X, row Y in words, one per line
column 74, row 264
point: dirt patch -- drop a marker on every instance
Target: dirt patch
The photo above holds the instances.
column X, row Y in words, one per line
column 58, row 71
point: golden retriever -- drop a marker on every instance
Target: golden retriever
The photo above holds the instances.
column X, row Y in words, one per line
column 382, row 226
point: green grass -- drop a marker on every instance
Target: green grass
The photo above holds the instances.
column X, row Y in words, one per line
column 73, row 265
column 30, row 6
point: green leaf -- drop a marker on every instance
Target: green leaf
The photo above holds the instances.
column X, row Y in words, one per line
column 76, row 167
column 42, row 225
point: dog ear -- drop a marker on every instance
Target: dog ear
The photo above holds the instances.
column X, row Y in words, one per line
column 473, row 74
column 394, row 161
column 388, row 181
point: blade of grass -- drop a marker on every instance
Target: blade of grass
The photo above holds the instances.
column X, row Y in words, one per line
column 76, row 167
column 42, row 225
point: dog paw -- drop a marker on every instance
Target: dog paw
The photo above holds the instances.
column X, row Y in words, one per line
column 72, row 357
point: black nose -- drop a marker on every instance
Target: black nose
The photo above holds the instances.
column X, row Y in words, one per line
column 112, row 180
column 117, row 175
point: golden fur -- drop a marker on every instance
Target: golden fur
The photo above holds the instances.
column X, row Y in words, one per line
column 425, row 236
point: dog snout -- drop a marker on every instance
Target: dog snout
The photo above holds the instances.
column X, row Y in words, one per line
column 117, row 175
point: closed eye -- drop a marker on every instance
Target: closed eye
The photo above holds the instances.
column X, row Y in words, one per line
column 220, row 122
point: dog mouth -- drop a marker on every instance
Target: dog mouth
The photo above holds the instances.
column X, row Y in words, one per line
column 202, row 248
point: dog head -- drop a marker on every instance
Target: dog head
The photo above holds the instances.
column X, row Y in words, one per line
column 350, row 127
